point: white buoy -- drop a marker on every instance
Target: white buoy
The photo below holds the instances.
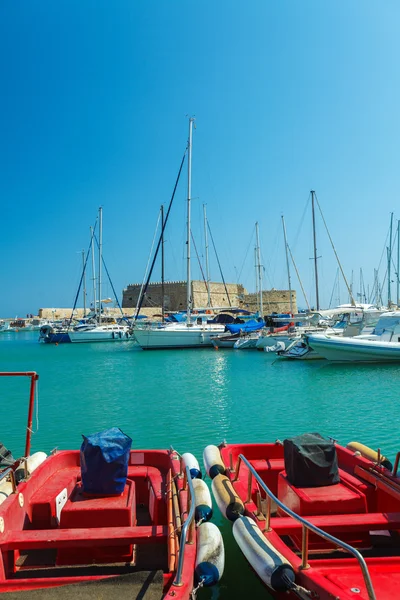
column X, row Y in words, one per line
column 227, row 499
column 203, row 511
column 32, row 463
column 191, row 461
column 210, row 558
column 6, row 488
column 271, row 566
column 213, row 462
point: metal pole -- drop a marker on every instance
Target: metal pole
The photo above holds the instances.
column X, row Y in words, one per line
column 287, row 265
column 162, row 266
column 84, row 283
column 100, row 255
column 34, row 377
column 260, row 286
column 390, row 261
column 398, row 262
column 207, row 263
column 93, row 272
column 315, row 250
column 189, row 191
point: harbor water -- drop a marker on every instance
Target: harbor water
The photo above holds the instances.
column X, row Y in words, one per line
column 192, row 398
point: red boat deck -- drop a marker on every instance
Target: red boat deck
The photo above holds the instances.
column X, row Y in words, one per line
column 44, row 544
column 362, row 510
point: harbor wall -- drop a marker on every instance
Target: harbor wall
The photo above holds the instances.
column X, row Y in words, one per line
column 273, row 301
column 65, row 313
column 175, row 295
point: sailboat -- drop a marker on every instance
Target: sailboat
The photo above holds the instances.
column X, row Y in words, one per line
column 188, row 334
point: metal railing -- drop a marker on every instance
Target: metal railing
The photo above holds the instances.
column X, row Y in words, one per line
column 396, row 464
column 306, row 525
column 11, row 473
column 188, row 524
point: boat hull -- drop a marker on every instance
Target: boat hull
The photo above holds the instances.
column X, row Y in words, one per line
column 176, row 337
column 354, row 350
column 92, row 336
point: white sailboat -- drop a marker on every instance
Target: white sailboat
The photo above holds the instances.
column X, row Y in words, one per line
column 188, row 334
column 99, row 328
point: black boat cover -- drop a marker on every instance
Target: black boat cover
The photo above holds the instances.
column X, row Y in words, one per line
column 310, row 461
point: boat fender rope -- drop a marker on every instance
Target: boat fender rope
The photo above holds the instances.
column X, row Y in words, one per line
column 196, row 589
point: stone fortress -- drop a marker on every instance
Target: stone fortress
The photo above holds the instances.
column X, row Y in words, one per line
column 222, row 296
column 231, row 294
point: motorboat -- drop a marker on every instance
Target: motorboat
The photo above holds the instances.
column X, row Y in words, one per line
column 106, row 521
column 236, row 332
column 313, row 518
column 383, row 345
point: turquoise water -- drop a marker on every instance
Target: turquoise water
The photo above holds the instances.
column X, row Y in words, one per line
column 192, row 398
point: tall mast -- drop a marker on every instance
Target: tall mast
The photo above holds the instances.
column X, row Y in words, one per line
column 207, row 263
column 389, row 253
column 84, row 283
column 287, row 265
column 315, row 250
column 260, row 286
column 100, row 256
column 189, row 191
column 162, row 265
column 93, row 272
column 255, row 268
column 398, row 263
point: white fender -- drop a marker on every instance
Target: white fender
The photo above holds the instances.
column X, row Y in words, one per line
column 210, row 558
column 227, row 499
column 6, row 489
column 32, row 463
column 213, row 462
column 190, row 461
column 272, row 568
column 203, row 511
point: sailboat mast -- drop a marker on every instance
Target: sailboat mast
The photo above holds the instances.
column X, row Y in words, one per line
column 100, row 255
column 84, row 283
column 260, row 290
column 189, row 192
column 162, row 265
column 389, row 253
column 207, row 263
column 398, row 263
column 287, row 265
column 93, row 272
column 315, row 249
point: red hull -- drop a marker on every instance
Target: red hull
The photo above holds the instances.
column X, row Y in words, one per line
column 362, row 510
column 125, row 534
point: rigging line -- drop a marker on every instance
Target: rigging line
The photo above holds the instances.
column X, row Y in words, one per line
column 201, row 268
column 334, row 249
column 161, row 235
column 148, row 261
column 296, row 239
column 245, row 258
column 109, row 279
column 298, row 277
column 83, row 273
column 219, row 264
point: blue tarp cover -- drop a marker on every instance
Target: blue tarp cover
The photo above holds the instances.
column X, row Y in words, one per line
column 248, row 326
column 104, row 460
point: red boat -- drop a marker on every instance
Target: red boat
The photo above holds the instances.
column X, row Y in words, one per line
column 336, row 541
column 52, row 534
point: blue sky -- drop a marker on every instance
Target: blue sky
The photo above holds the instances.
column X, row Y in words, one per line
column 288, row 96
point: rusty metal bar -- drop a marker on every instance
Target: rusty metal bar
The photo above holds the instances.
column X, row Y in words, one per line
column 304, row 548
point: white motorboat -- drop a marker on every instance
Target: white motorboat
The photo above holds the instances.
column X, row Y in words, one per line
column 383, row 345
